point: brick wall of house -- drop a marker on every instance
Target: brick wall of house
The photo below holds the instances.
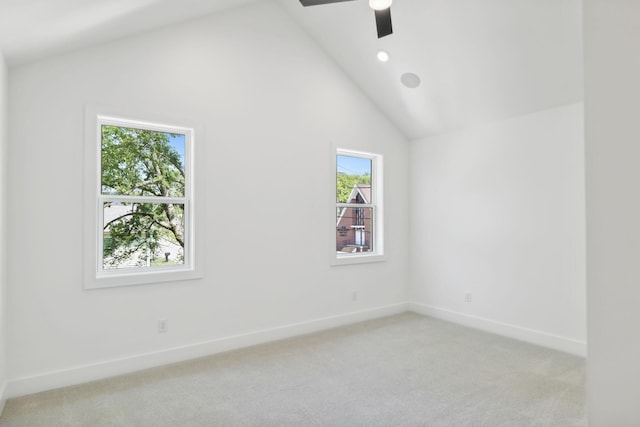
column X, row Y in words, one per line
column 347, row 230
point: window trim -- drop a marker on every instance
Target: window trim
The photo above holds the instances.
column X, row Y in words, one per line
column 94, row 275
column 376, row 203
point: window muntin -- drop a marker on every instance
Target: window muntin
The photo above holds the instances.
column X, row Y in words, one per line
column 144, row 198
column 358, row 211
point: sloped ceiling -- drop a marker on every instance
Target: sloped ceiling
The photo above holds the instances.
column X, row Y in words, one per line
column 32, row 29
column 478, row 60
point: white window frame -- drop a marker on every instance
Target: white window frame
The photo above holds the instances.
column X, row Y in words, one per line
column 376, row 203
column 95, row 275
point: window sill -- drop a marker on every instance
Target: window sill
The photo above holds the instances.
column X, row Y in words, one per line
column 349, row 259
column 140, row 278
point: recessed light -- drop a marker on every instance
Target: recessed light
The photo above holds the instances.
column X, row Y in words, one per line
column 410, row 80
column 383, row 56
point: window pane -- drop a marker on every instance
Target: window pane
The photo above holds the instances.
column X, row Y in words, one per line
column 353, row 179
column 142, row 235
column 137, row 162
column 354, row 228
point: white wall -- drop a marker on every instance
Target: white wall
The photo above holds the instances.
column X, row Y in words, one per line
column 271, row 104
column 4, row 122
column 612, row 111
column 498, row 210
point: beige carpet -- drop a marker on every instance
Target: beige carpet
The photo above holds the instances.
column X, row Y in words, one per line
column 405, row 370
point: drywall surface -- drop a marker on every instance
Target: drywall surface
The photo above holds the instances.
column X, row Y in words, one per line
column 612, row 136
column 4, row 122
column 271, row 105
column 498, row 212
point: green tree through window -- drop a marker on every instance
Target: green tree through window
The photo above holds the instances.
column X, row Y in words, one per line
column 346, row 182
column 143, row 188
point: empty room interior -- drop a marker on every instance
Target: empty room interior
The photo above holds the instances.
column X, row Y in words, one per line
column 301, row 212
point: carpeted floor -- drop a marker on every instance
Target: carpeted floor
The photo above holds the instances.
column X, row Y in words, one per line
column 405, row 370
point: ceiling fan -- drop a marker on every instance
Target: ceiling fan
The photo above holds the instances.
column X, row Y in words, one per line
column 382, row 9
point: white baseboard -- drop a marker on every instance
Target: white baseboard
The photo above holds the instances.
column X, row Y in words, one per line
column 105, row 369
column 110, row 368
column 567, row 345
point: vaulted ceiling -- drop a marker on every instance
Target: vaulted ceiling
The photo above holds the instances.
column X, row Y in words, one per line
column 477, row 60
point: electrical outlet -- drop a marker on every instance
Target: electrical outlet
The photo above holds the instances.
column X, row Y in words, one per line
column 467, row 297
column 163, row 326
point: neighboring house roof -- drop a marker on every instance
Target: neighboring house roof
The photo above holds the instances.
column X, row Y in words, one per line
column 362, row 190
column 114, row 211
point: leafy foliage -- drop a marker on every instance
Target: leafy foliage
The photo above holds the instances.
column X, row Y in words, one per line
column 345, row 183
column 140, row 163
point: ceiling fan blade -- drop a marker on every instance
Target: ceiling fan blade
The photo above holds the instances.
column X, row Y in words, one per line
column 383, row 22
column 306, row 3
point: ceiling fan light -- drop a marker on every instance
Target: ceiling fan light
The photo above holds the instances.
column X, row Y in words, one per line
column 380, row 4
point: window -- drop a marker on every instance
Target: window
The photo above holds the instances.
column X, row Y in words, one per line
column 143, row 210
column 358, row 195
